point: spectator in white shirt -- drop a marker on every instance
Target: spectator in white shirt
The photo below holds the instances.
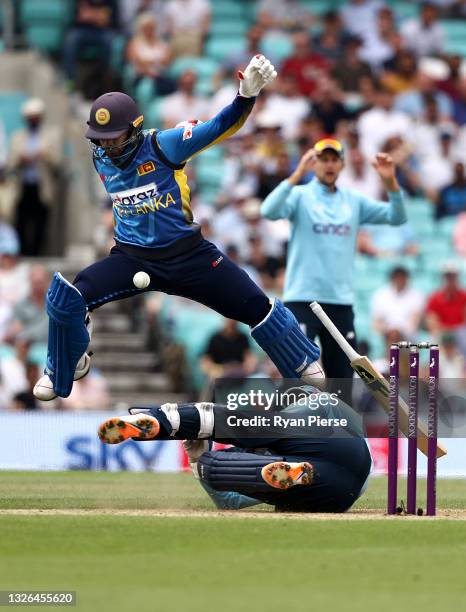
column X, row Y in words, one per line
column 359, row 175
column 184, row 103
column 188, row 23
column 283, row 14
column 149, row 55
column 437, row 171
column 381, row 45
column 128, row 11
column 13, row 375
column 453, row 362
column 424, row 35
column 14, row 276
column 360, row 17
column 226, row 90
column 381, row 122
column 29, row 321
column 397, row 306
column 288, row 106
column 35, row 160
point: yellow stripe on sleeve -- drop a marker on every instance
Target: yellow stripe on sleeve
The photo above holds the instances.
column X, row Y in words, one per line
column 182, row 182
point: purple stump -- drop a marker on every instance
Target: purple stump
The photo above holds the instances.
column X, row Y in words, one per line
column 412, row 428
column 432, row 420
column 393, row 429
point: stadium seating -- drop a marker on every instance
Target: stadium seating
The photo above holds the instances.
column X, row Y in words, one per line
column 436, row 247
column 45, row 10
column 151, row 111
column 404, row 10
column 10, row 110
column 208, row 171
column 192, row 328
column 227, row 10
column 277, row 46
column 205, row 68
column 319, row 7
column 230, row 28
column 44, row 23
column 44, row 36
column 219, row 48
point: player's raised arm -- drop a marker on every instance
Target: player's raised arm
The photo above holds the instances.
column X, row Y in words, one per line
column 179, row 144
column 282, row 201
column 394, row 211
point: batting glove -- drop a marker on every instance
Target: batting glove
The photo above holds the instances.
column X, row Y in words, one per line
column 257, row 75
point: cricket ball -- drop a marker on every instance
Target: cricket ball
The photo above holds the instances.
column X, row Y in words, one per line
column 141, row 280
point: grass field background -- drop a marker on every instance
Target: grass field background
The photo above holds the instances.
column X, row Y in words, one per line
column 204, row 562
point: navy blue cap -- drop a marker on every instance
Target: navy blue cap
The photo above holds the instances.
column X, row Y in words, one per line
column 111, row 115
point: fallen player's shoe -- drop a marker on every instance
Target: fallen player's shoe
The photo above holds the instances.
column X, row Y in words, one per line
column 283, row 475
column 136, row 426
column 43, row 389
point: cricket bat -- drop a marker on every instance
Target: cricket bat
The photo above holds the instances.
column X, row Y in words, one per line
column 374, row 381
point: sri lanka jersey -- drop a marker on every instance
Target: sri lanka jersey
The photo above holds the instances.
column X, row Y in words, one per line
column 150, row 195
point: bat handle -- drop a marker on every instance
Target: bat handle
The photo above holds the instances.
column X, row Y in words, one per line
column 334, row 332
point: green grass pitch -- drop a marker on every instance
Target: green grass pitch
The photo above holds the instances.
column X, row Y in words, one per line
column 150, row 542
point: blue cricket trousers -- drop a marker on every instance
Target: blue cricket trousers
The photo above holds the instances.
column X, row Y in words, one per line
column 203, row 274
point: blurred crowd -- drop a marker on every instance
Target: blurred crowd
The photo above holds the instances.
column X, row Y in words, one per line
column 359, row 72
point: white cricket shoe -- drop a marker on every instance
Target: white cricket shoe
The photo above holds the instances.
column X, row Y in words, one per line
column 43, row 389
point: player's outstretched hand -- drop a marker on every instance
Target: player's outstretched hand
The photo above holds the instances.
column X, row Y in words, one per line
column 385, row 168
column 257, row 75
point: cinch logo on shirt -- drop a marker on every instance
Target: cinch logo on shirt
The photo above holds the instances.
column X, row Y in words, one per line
column 335, row 229
column 146, row 167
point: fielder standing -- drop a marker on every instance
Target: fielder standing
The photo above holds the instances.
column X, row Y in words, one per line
column 325, row 221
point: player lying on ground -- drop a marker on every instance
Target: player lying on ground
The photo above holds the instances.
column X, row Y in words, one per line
column 143, row 173
column 308, row 474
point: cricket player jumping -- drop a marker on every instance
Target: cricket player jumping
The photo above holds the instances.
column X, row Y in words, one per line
column 143, row 173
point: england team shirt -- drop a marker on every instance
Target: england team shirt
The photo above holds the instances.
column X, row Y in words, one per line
column 325, row 225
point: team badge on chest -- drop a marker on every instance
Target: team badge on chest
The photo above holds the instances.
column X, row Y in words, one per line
column 146, row 167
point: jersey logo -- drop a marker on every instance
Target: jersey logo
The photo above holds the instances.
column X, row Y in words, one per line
column 188, row 132
column 146, row 167
column 134, row 196
column 217, row 261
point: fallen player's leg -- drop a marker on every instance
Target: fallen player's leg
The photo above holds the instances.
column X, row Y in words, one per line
column 300, row 475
